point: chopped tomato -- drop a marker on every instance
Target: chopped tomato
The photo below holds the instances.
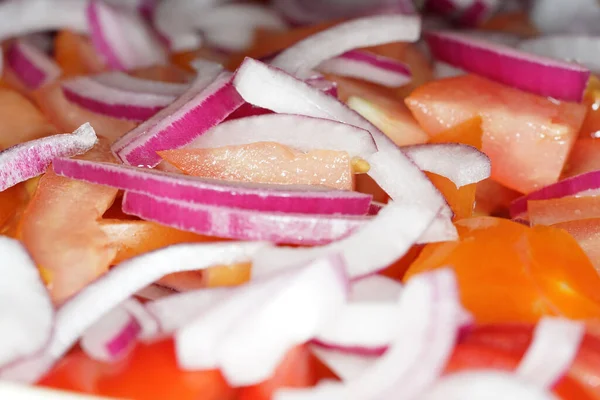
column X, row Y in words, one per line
column 68, row 116
column 399, row 268
column 365, row 184
column 494, row 254
column 11, row 200
column 76, row 55
column 297, row 370
column 21, row 120
column 587, row 234
column 583, row 158
column 384, row 110
column 132, row 238
column 266, row 163
column 527, row 137
column 469, row 132
column 517, row 23
column 149, row 372
column 60, row 229
column 163, row 73
column 491, row 198
column 591, row 124
column 554, row 211
column 501, row 347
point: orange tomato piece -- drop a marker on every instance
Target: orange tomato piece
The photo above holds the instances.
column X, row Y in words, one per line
column 149, row 372
column 543, row 268
column 587, row 234
column 21, row 120
column 76, row 55
column 11, row 200
column 517, row 23
column 461, row 200
column 491, row 198
column 365, row 184
column 163, row 73
column 60, row 229
column 527, row 137
column 68, row 116
column 266, row 162
column 554, row 211
column 399, row 268
column 469, row 132
column 297, row 370
column 382, row 108
column 131, row 238
column 591, row 124
column 585, row 157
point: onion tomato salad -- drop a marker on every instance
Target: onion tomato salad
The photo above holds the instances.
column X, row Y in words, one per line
column 301, row 200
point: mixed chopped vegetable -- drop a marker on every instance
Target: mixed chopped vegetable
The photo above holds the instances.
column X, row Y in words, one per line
column 301, row 200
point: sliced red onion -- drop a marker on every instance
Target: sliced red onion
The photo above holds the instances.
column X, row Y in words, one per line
column 370, row 67
column 233, row 223
column 584, row 50
column 301, row 58
column 375, row 288
column 32, row 66
column 27, row 312
column 375, row 207
column 265, row 327
column 460, row 163
column 377, row 244
column 22, row 17
column 324, row 85
column 478, row 12
column 577, row 185
column 191, row 115
column 554, row 347
column 346, row 366
column 429, row 311
column 360, row 328
column 507, row 39
column 90, row 94
column 112, row 336
column 30, row 159
column 488, row 385
column 123, row 38
column 272, row 89
column 258, row 197
column 95, row 300
column 126, row 82
column 154, row 292
column 296, row 131
column 231, row 26
column 573, row 16
column 539, row 75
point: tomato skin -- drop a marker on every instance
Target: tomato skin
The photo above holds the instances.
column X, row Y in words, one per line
column 297, row 370
column 150, row 372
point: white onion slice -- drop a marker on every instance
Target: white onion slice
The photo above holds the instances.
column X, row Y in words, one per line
column 554, row 347
column 231, row 27
column 360, row 328
column 30, row 159
column 460, row 163
column 207, row 103
column 367, row 66
column 275, row 90
column 429, row 311
column 22, row 17
column 115, row 333
column 375, row 289
column 123, row 37
column 301, row 58
column 26, row 312
column 573, row 16
column 346, row 366
column 296, row 131
column 584, row 50
column 488, row 385
column 95, row 300
column 284, row 316
column 377, row 244
column 32, row 66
